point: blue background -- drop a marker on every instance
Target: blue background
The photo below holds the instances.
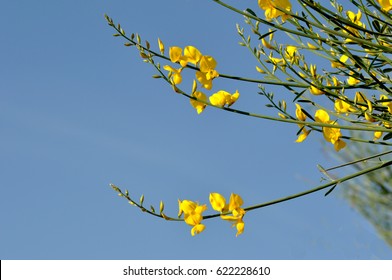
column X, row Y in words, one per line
column 79, row 111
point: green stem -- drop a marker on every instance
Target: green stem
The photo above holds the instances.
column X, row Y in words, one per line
column 319, row 188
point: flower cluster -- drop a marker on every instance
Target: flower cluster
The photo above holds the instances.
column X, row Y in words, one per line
column 191, row 55
column 220, row 99
column 205, row 74
column 231, row 212
column 331, row 134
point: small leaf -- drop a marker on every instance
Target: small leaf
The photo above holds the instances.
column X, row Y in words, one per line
column 387, row 136
column 376, row 25
column 251, row 12
column 328, row 192
column 307, row 114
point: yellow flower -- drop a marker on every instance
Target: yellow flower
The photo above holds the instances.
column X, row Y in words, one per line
column 303, row 135
column 322, row 116
column 360, row 98
column 174, row 74
column 354, row 18
column 192, row 215
column 237, row 222
column 218, row 202
column 388, row 104
column 299, row 113
column 331, row 134
column 208, row 65
column 271, row 11
column 277, row 61
column 385, row 4
column 301, row 117
column 218, row 99
column 197, row 229
column 377, row 135
column 202, row 78
column 207, row 71
column 222, row 98
column 231, row 98
column 342, row 106
column 199, row 106
column 340, row 63
column 291, row 54
column 315, row 91
column 191, row 55
column 352, row 80
column 175, row 54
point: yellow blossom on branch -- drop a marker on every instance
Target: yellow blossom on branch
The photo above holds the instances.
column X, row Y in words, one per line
column 387, row 103
column 331, row 134
column 291, row 54
column 299, row 113
column 174, row 74
column 385, row 4
column 199, row 106
column 192, row 215
column 222, row 98
column 218, row 203
column 208, row 65
column 354, row 18
column 271, row 8
column 191, row 55
column 315, row 91
column 301, row 117
column 175, row 54
column 352, row 80
column 342, row 106
column 207, row 71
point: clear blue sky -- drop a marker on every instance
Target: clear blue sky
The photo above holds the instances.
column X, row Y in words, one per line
column 79, row 111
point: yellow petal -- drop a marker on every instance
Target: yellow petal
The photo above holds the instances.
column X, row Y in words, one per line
column 240, row 227
column 303, row 135
column 199, row 106
column 315, row 91
column 340, row 144
column 197, row 229
column 377, row 135
column 299, row 113
column 193, row 219
column 218, row 99
column 321, row 116
column 235, row 201
column 192, row 55
column 175, row 54
column 202, row 78
column 218, row 202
